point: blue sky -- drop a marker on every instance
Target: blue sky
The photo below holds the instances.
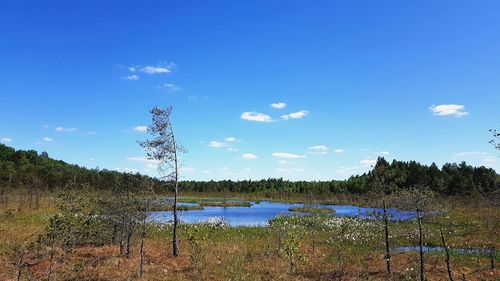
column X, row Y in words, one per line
column 350, row 80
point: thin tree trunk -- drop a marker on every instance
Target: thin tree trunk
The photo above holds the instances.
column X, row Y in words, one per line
column 129, row 239
column 492, row 258
column 448, row 262
column 113, row 236
column 143, row 236
column 121, row 241
column 175, row 246
column 387, row 246
column 421, row 246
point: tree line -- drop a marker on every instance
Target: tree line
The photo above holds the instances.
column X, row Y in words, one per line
column 450, row 179
column 31, row 170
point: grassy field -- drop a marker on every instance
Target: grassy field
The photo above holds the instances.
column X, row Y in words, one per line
column 292, row 248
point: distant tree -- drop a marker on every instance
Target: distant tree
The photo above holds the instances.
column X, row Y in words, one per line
column 165, row 148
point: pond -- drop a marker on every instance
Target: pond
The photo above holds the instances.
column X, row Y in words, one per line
column 259, row 213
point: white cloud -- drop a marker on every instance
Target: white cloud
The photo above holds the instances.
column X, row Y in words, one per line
column 231, row 139
column 295, row 115
column 247, row 170
column 283, row 162
column 225, row 168
column 318, row 149
column 449, row 110
column 232, row 149
column 368, row 162
column 339, row 150
column 384, row 153
column 287, row 155
column 92, row 133
column 131, row 68
column 47, row 139
column 255, row 116
column 155, row 69
column 278, row 105
column 217, row 144
column 141, row 129
column 249, row 156
column 132, row 77
column 127, row 170
column 5, row 139
column 61, row 129
column 171, row 87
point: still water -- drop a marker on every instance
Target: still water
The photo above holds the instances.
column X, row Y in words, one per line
column 260, row 213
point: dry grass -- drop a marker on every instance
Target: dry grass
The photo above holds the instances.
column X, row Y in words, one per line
column 244, row 254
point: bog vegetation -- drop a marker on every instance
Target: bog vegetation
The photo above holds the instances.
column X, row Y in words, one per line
column 64, row 222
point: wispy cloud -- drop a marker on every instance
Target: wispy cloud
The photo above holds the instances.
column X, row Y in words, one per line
column 249, row 156
column 5, row 139
column 295, row 115
column 92, row 133
column 318, row 149
column 141, row 129
column 217, row 144
column 347, row 170
column 187, row 169
column 256, row 116
column 278, row 105
column 489, row 159
column 132, row 77
column 456, row 110
column 231, row 139
column 288, row 155
column 286, row 170
column 47, row 139
column 62, row 129
column 171, row 87
column 470, row 153
column 155, row 69
column 339, row 150
column 368, row 162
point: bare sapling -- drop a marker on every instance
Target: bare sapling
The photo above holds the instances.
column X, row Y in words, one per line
column 163, row 147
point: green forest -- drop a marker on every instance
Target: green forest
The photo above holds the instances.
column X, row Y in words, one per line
column 29, row 169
